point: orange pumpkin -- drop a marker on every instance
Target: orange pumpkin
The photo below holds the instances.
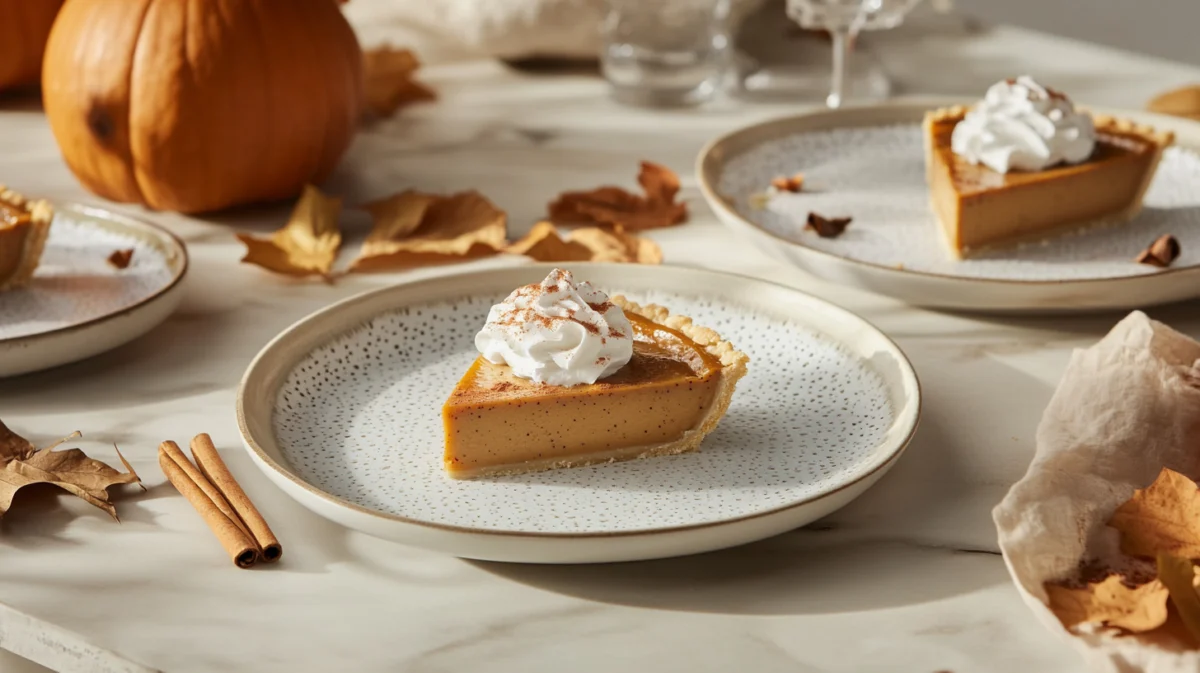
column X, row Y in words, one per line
column 23, row 31
column 199, row 105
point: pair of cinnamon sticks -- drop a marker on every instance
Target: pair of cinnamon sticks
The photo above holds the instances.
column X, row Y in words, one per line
column 212, row 490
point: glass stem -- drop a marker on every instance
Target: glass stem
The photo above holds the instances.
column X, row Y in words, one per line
column 841, row 57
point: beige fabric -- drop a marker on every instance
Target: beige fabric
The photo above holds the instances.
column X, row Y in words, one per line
column 500, row 28
column 1125, row 408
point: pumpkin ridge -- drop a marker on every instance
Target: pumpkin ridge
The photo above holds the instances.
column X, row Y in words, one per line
column 133, row 61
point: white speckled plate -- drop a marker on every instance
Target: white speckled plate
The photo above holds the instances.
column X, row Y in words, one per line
column 343, row 411
column 77, row 304
column 868, row 163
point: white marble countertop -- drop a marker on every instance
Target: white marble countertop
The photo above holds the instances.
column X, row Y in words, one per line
column 905, row 579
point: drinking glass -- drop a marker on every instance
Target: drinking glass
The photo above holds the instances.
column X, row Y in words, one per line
column 665, row 52
column 844, row 19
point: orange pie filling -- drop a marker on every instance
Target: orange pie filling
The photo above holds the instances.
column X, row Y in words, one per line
column 496, row 422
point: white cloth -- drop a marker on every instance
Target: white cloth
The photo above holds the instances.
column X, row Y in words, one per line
column 500, row 28
column 1125, row 408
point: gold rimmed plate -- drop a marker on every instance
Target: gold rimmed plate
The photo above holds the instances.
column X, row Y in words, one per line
column 867, row 163
column 79, row 304
column 343, row 412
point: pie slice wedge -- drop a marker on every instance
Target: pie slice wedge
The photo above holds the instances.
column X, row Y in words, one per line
column 24, row 227
column 671, row 394
column 979, row 208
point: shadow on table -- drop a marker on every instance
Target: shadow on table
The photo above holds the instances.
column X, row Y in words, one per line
column 41, row 512
column 774, row 577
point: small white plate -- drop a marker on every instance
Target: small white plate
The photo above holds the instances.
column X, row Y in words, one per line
column 868, row 163
column 343, row 411
column 78, row 305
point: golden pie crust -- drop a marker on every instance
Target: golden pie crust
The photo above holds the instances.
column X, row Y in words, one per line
column 24, row 227
column 671, row 395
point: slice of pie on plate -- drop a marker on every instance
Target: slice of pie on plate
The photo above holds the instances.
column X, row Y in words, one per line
column 24, row 227
column 979, row 207
column 671, row 393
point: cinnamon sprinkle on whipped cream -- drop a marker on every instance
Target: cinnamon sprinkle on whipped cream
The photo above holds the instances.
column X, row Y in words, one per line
column 557, row 332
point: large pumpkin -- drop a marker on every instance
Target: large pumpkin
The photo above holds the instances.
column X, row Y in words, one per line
column 23, row 31
column 198, row 105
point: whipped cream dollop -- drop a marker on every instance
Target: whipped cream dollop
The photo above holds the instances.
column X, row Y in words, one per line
column 1024, row 126
column 557, row 332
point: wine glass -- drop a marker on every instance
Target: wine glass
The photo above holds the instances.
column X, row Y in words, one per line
column 844, row 19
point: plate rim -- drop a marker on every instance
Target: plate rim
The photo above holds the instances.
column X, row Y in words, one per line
column 908, row 375
column 175, row 242
column 707, row 161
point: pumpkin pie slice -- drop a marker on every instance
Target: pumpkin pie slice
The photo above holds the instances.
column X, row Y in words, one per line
column 979, row 208
column 665, row 400
column 24, row 226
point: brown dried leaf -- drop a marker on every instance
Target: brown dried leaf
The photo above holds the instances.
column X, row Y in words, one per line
column 616, row 206
column 449, row 229
column 590, row 244
column 785, row 184
column 543, row 244
column 1179, row 576
column 1164, row 250
column 71, row 470
column 1110, row 602
column 307, row 245
column 827, row 227
column 120, row 259
column 388, row 80
column 1181, row 102
column 1161, row 518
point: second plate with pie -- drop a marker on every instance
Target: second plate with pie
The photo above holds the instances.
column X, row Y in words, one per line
column 344, row 412
column 868, row 163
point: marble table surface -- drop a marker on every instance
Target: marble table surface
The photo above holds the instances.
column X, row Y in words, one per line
column 907, row 578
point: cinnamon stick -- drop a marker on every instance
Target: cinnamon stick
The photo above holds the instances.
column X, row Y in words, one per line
column 214, row 469
column 239, row 545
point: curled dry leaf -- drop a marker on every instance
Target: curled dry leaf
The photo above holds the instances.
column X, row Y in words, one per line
column 388, row 80
column 1164, row 517
column 71, row 470
column 1181, row 102
column 307, row 245
column 120, row 259
column 591, row 244
column 413, row 229
column 827, row 227
column 793, row 184
column 1164, row 250
column 616, row 206
column 1110, row 602
column 1179, row 576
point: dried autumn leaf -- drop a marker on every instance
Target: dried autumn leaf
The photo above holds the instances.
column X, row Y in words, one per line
column 120, row 259
column 388, row 80
column 448, row 229
column 307, row 245
column 592, row 244
column 1110, row 602
column 1179, row 576
column 1181, row 102
column 616, row 206
column 71, row 470
column 1161, row 518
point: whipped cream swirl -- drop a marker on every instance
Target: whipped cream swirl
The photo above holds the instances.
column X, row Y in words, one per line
column 1022, row 125
column 557, row 332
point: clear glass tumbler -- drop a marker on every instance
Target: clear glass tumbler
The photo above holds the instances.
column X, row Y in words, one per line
column 665, row 53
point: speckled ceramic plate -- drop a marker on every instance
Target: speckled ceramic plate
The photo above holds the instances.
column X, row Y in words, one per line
column 343, row 411
column 78, row 305
column 868, row 163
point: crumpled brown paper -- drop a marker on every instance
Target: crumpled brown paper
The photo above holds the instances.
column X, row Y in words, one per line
column 1125, row 408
